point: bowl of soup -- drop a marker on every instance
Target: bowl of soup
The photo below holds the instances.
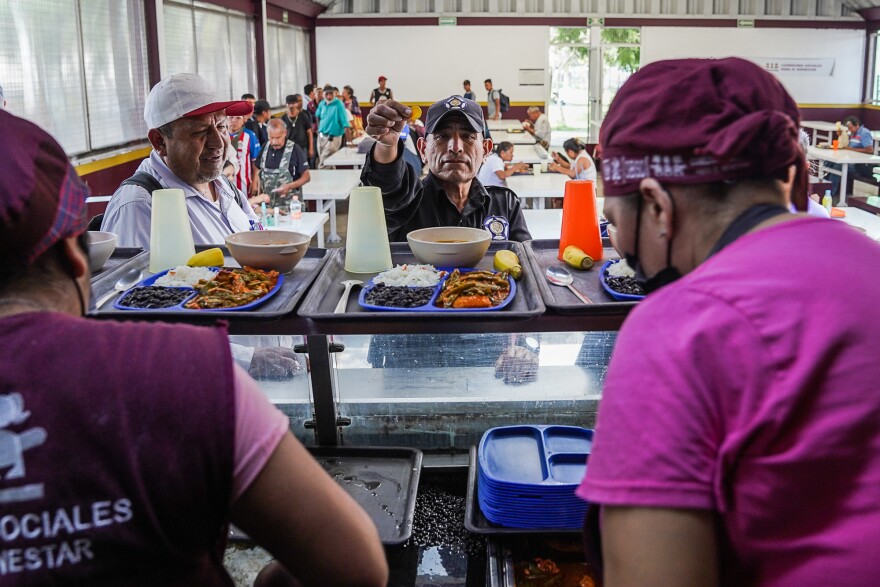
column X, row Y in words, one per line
column 101, row 246
column 280, row 250
column 449, row 246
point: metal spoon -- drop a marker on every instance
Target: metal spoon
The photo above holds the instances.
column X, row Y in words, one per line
column 343, row 301
column 561, row 277
column 128, row 279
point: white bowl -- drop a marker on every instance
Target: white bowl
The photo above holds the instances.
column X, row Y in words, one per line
column 101, row 246
column 280, row 250
column 468, row 246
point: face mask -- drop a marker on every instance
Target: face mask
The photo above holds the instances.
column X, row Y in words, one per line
column 663, row 277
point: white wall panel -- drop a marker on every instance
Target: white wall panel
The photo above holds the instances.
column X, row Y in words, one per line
column 425, row 64
column 846, row 47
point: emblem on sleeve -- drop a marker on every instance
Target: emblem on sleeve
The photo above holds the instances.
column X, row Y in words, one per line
column 498, row 227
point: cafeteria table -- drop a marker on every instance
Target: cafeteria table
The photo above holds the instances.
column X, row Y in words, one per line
column 346, row 157
column 539, row 187
column 844, row 158
column 517, row 138
column 312, row 224
column 327, row 186
column 826, row 129
column 870, row 223
column 503, row 124
column 545, row 224
column 530, row 154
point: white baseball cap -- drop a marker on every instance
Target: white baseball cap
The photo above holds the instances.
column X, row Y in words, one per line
column 187, row 94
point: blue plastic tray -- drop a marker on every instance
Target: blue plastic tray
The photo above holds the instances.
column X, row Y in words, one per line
column 613, row 293
column 152, row 279
column 520, row 457
column 430, row 307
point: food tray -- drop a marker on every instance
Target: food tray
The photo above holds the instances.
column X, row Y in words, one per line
column 120, row 257
column 613, row 293
column 383, row 481
column 295, row 285
column 526, row 458
column 321, row 300
column 476, row 522
column 430, row 307
column 542, row 254
column 181, row 306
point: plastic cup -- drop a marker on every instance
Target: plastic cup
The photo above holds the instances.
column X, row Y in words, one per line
column 834, row 144
column 171, row 239
column 536, row 169
column 580, row 219
column 367, row 249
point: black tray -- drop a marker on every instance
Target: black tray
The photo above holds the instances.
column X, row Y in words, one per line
column 476, row 522
column 383, row 481
column 295, row 285
column 543, row 253
column 322, row 298
column 121, row 256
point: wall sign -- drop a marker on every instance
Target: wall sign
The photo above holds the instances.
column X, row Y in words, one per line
column 531, row 77
column 814, row 67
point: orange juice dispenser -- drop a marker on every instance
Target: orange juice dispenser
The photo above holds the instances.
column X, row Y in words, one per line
column 580, row 219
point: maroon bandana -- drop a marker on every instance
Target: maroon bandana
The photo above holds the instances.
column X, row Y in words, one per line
column 693, row 121
column 42, row 200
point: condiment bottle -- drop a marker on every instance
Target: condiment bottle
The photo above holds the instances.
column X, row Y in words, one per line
column 296, row 212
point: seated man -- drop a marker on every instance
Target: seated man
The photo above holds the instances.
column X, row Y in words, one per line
column 125, row 459
column 454, row 150
column 189, row 151
column 538, row 125
column 283, row 167
column 860, row 141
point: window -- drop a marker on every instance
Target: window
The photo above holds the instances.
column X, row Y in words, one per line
column 875, row 70
column 76, row 68
column 287, row 61
column 216, row 43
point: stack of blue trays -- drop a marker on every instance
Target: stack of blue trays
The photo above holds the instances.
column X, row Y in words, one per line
column 527, row 475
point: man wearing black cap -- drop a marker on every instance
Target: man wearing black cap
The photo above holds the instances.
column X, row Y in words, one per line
column 257, row 123
column 454, row 150
column 299, row 125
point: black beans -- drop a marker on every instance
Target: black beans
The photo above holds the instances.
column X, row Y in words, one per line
column 396, row 296
column 154, row 297
column 624, row 285
column 439, row 521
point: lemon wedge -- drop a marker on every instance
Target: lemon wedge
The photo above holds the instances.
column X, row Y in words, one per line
column 207, row 258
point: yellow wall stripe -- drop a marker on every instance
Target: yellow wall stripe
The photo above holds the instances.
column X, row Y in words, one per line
column 113, row 161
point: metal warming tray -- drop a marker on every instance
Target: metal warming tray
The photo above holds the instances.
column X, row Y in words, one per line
column 321, row 300
column 383, row 481
column 295, row 285
column 543, row 253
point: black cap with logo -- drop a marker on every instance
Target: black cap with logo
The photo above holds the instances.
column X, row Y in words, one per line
column 454, row 105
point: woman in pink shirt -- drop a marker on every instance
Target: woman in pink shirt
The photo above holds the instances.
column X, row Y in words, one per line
column 738, row 438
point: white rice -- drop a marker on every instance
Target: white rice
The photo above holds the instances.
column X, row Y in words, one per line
column 620, row 269
column 184, row 276
column 410, row 275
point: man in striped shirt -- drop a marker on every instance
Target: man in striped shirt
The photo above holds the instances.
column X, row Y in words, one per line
column 245, row 143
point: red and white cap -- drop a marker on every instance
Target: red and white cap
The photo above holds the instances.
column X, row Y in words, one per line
column 187, row 94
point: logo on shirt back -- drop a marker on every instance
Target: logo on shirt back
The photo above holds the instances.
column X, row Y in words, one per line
column 498, row 227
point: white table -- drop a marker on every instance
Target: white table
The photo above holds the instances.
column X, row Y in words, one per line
column 540, row 187
column 844, row 158
column 503, row 124
column 328, row 185
column 820, row 126
column 530, row 154
column 346, row 157
column 312, row 224
column 548, row 223
column 521, row 138
column 862, row 219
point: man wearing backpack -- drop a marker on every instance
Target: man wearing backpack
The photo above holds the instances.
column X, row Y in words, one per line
column 494, row 102
column 189, row 133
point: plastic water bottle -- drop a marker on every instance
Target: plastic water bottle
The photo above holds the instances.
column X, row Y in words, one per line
column 264, row 219
column 296, row 213
column 826, row 201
